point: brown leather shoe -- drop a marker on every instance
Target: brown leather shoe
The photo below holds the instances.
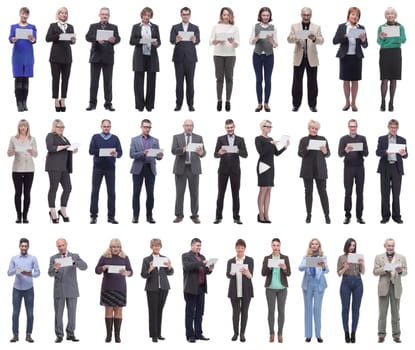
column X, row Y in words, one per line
column 381, row 339
column 280, row 339
column 14, row 339
column 29, row 339
column 397, row 340
column 271, row 338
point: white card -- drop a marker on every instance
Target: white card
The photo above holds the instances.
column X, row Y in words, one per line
column 302, row 34
column 21, row 148
column 396, row 147
column 353, row 258
column 223, row 36
column 275, row 262
column 159, row 261
column 391, row 266
column 104, row 34
column 64, row 261
column 211, row 262
column 66, row 36
column 355, row 32
column 392, row 31
column 237, row 268
column 264, row 34
column 313, row 261
column 115, row 268
column 152, row 152
column 315, row 145
column 284, row 139
column 106, row 152
column 73, row 146
column 186, row 36
column 356, row 146
column 230, row 149
column 192, row 147
column 23, row 33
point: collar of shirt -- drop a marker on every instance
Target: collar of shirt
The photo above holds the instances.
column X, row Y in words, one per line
column 240, row 260
column 106, row 136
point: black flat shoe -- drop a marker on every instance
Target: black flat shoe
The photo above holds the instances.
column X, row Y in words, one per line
column 390, row 107
column 259, row 108
column 227, row 106
column 382, row 107
column 109, row 107
column 307, row 340
column 346, row 108
column 267, row 109
column 320, row 340
column 90, row 107
column 64, row 218
column 219, row 106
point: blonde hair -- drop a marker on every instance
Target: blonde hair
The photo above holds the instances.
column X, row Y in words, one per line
column 231, row 16
column 310, row 252
column 156, row 242
column 391, row 9
column 19, row 124
column 313, row 122
column 108, row 252
column 61, row 9
column 55, row 123
column 264, row 122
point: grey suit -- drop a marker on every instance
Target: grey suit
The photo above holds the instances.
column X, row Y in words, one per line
column 65, row 291
column 389, row 291
column 186, row 171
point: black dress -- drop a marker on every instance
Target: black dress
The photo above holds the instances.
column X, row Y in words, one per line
column 267, row 151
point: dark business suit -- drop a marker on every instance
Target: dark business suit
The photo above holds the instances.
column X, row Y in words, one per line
column 240, row 305
column 390, row 177
column 184, row 58
column 60, row 58
column 186, row 172
column 143, row 169
column 313, row 167
column 101, row 58
column 229, row 168
column 65, row 291
column 157, row 288
column 145, row 63
column 59, row 166
column 194, row 287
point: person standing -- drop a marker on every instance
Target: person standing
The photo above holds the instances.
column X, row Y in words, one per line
column 22, row 57
column 106, row 148
column 313, row 285
column 195, row 271
column 63, row 267
column 390, row 56
column 115, row 265
column 229, row 169
column 305, row 59
column 391, row 170
column 24, row 267
column 145, row 37
column 144, row 169
column 390, row 267
column 157, row 287
column 185, row 36
column 102, row 57
column 23, row 148
column 276, row 284
column 354, row 170
column 314, row 168
column 60, row 56
column 188, row 149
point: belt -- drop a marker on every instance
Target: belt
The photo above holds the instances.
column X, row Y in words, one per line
column 391, row 161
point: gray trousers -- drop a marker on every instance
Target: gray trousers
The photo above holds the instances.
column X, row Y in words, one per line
column 383, row 313
column 181, row 181
column 59, row 304
column 224, row 71
column 279, row 295
column 56, row 178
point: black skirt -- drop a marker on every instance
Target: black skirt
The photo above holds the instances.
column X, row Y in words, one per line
column 390, row 64
column 350, row 68
column 113, row 298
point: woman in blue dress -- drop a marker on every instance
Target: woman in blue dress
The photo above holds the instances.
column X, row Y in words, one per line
column 22, row 36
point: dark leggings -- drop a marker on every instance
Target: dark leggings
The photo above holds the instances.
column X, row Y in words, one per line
column 22, row 185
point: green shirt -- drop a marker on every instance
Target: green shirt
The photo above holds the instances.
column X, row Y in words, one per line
column 276, row 277
column 391, row 42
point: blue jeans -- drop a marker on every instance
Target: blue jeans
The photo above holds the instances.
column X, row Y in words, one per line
column 263, row 66
column 149, row 179
column 28, row 296
column 313, row 299
column 351, row 287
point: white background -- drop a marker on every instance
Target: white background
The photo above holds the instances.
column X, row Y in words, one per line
column 287, row 203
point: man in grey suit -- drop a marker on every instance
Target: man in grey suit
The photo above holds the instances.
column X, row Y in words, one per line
column 188, row 149
column 144, row 168
column 62, row 267
column 390, row 267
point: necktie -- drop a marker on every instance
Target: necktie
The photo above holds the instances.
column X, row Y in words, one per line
column 64, row 255
column 187, row 152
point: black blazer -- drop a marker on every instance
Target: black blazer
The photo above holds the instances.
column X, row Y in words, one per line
column 229, row 162
column 61, row 51
column 184, row 51
column 57, row 161
column 267, row 272
column 191, row 273
column 152, row 282
column 247, row 289
column 138, row 62
column 340, row 38
column 102, row 53
column 313, row 165
column 383, row 144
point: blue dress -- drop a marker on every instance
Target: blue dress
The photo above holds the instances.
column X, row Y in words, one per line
column 22, row 56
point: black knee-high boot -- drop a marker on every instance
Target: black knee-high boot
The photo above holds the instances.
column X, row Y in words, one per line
column 25, row 92
column 18, row 91
column 117, row 329
column 108, row 323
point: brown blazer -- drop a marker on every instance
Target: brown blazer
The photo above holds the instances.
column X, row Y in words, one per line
column 267, row 272
column 385, row 277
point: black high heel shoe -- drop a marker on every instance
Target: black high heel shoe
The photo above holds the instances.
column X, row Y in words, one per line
column 62, row 108
column 54, row 221
column 65, row 218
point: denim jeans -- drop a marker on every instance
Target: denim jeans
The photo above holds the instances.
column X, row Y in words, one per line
column 28, row 296
column 351, row 287
column 263, row 66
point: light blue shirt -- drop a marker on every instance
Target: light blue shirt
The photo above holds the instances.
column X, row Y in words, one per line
column 23, row 263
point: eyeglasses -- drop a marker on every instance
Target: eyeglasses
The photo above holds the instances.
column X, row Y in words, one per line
column 267, row 126
column 60, row 126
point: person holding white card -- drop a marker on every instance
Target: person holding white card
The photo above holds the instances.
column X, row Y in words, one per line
column 239, row 270
column 314, row 169
column 23, row 148
column 145, row 37
column 351, row 288
column 267, row 149
column 350, row 55
column 157, row 287
column 102, row 57
column 60, row 56
column 390, row 267
column 313, row 285
column 106, row 148
column 391, row 170
column 22, row 35
column 115, row 265
column 354, row 170
column 59, row 167
column 391, row 36
column 276, row 268
column 225, row 38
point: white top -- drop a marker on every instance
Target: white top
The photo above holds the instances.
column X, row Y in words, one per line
column 225, row 48
column 23, row 161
